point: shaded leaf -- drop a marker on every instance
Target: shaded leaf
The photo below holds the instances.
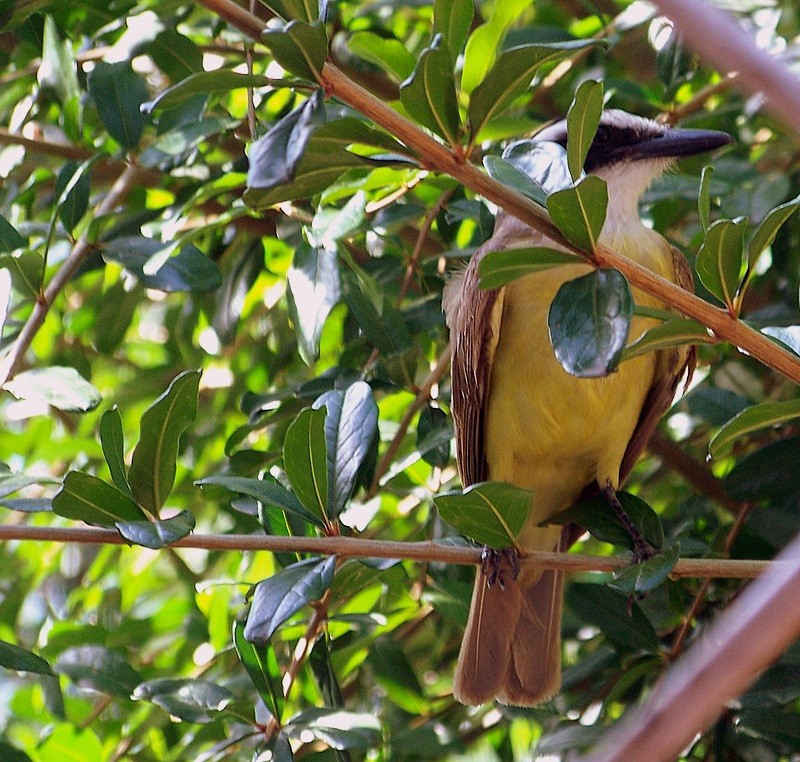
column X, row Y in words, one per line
column 434, row 433
column 10, row 239
column 387, row 52
column 498, row 268
column 491, row 513
column 642, row 578
column 191, row 700
column 118, row 92
column 299, row 47
column 589, row 321
column 99, row 668
column 86, row 498
column 159, row 533
column 205, row 83
column 579, row 212
column 789, row 336
column 506, row 173
column 74, row 204
column 63, row 388
column 305, row 460
column 16, row 658
column 752, row 419
column 152, row 470
column 671, row 333
column 704, row 197
column 262, row 668
column 25, row 269
column 719, row 260
column 112, row 440
column 284, row 594
column 583, row 119
column 320, row 662
column 337, row 728
column 175, row 54
column 117, row 308
column 765, row 233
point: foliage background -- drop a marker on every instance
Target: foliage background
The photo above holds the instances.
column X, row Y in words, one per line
column 116, row 652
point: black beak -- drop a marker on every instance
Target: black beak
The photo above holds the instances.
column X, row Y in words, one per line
column 675, row 143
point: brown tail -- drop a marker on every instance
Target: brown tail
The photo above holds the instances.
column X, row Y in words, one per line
column 512, row 645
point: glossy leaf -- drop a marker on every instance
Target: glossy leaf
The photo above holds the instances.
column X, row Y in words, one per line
column 580, row 212
column 159, row 533
column 719, row 260
column 589, row 321
column 152, row 471
column 189, row 699
column 491, row 513
column 270, row 493
column 112, row 440
column 99, row 668
column 765, row 233
column 498, row 268
column 175, row 54
column 673, row 333
column 506, row 173
column 10, row 239
column 511, row 76
column 644, row 577
column 704, row 198
column 583, row 119
column 305, row 461
column 351, row 425
column 281, row 596
column 429, row 94
column 299, row 47
column 262, row 669
column 20, row 660
column 118, row 92
column 204, row 83
column 84, row 497
column 63, row 388
column 544, row 162
column 390, row 54
column 339, row 729
column 75, row 201
column 752, row 419
column 452, row 20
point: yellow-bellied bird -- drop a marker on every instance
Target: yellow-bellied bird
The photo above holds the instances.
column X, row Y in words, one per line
column 521, row 418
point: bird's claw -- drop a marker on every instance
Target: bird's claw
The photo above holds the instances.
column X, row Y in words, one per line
column 497, row 564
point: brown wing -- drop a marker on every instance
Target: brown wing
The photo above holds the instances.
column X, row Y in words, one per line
column 672, row 365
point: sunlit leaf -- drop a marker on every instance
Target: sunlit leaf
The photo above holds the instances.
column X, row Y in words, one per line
column 159, row 533
column 752, row 419
column 84, row 497
column 190, row 699
column 339, row 729
column 118, row 92
column 452, row 19
column 299, row 47
column 390, row 54
column 580, row 212
column 583, row 118
column 672, row 333
column 305, row 460
column 719, row 260
column 63, row 388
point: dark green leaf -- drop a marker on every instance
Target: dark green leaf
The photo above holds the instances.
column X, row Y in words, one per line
column 491, row 513
column 152, row 470
column 262, row 668
column 388, row 53
column 176, row 55
column 26, row 268
column 429, row 94
column 672, row 333
column 753, row 419
column 506, row 173
column 99, row 668
column 580, row 212
column 112, row 441
column 320, row 662
column 769, row 227
column 159, row 533
column 452, row 20
column 284, row 594
column 434, row 433
column 270, row 493
column 719, row 260
column 351, row 425
column 63, row 388
column 86, row 498
column 704, row 198
column 608, row 610
column 583, row 118
column 642, row 578
column 118, row 92
column 305, row 460
column 511, row 76
column 395, row 675
column 75, row 202
column 299, row 47
column 59, row 72
column 713, row 405
column 337, row 728
column 305, row 10
column 205, row 83
column 314, row 289
column 498, row 268
column 191, row 700
column 589, row 321
column 117, row 308
column 237, row 279
column 16, row 658
column 10, row 753
column 673, row 61
column 10, row 239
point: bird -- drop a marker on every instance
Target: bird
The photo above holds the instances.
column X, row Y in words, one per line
column 521, row 418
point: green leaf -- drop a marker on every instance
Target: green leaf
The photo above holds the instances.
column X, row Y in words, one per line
column 491, row 513
column 63, row 388
column 621, row 620
column 589, row 321
column 672, row 333
column 598, row 518
column 583, row 119
column 330, row 224
column 86, row 498
column 262, row 669
column 176, row 55
column 274, row 157
column 305, row 10
column 99, row 668
column 429, row 94
column 394, row 673
column 157, row 534
column 337, row 728
column 205, row 83
column 299, row 47
column 452, row 20
column 769, row 227
column 351, row 425
column 59, row 71
column 305, row 460
column 719, row 260
column 579, row 212
column 117, row 309
column 26, row 268
column 152, row 471
column 752, row 419
column 387, row 52
column 118, row 92
column 270, row 493
column 16, row 658
column 506, row 173
column 284, row 594
column 112, row 440
column 498, row 268
column 704, row 198
column 434, row 434
column 75, row 202
column 543, row 162
column 644, row 577
column 189, row 699
column 10, row 239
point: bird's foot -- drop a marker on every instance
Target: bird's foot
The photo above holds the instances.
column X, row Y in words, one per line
column 642, row 549
column 497, row 565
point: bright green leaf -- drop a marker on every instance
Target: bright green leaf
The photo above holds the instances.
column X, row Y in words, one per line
column 86, row 498
column 63, row 388
column 719, row 260
column 752, row 419
column 388, row 53
column 112, row 440
column 498, row 268
column 452, row 20
column 305, row 460
column 580, row 212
